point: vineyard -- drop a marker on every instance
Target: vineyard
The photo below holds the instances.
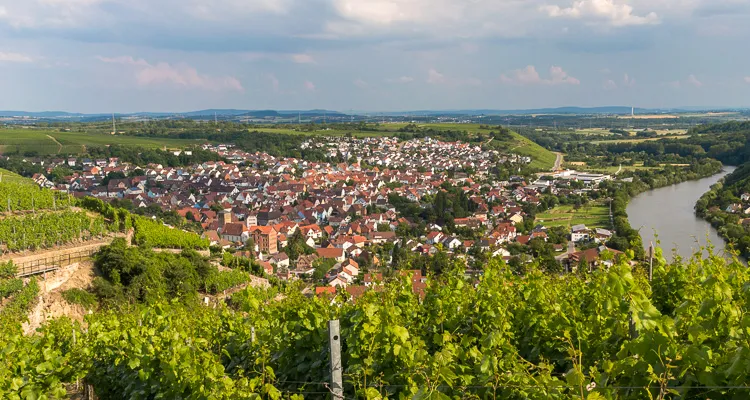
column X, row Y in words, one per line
column 155, row 234
column 46, row 230
column 18, row 196
column 609, row 334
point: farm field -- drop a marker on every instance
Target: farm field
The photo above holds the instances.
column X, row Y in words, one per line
column 44, row 141
column 593, row 215
column 638, row 140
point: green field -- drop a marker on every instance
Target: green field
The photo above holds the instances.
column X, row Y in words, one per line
column 593, row 215
column 44, row 141
column 541, row 158
column 639, row 140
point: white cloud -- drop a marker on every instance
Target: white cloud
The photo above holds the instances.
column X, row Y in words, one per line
column 747, row 79
column 180, row 75
column 360, row 83
column 530, row 76
column 610, row 85
column 694, row 81
column 627, row 81
column 303, row 59
column 309, row 86
column 401, row 79
column 603, row 10
column 435, row 77
column 126, row 60
column 274, row 82
column 15, row 57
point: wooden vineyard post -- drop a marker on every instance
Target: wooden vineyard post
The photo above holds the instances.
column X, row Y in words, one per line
column 334, row 340
column 651, row 262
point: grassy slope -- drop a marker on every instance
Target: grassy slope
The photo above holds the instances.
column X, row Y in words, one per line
column 8, row 176
column 541, row 158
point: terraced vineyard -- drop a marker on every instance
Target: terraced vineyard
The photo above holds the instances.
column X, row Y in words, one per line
column 46, row 230
column 19, row 195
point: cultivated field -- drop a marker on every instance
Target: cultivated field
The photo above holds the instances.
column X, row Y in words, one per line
column 593, row 215
column 45, row 141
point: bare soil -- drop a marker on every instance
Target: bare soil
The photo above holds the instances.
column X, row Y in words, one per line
column 51, row 304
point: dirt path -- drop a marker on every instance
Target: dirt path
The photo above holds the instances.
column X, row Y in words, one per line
column 558, row 161
column 60, row 146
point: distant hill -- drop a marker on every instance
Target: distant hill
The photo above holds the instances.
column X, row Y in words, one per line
column 558, row 110
column 315, row 113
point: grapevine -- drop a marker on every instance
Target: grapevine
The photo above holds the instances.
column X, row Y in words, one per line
column 25, row 197
column 32, row 232
column 151, row 233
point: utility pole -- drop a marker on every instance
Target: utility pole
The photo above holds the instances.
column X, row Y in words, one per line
column 334, row 340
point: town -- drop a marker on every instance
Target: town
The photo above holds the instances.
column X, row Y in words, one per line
column 347, row 223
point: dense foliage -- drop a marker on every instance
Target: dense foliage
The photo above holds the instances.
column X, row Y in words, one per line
column 143, row 156
column 605, row 335
column 131, row 274
column 151, row 233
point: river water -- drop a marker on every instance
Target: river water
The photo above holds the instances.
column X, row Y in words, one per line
column 669, row 213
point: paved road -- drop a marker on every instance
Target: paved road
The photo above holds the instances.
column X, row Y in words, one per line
column 558, row 161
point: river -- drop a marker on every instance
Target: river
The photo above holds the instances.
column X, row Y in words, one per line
column 669, row 212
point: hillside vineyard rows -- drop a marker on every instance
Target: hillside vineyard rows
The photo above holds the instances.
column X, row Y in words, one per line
column 606, row 335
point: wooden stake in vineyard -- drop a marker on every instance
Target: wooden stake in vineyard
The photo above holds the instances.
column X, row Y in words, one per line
column 334, row 340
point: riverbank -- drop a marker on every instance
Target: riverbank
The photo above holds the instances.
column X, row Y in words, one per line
column 629, row 239
column 665, row 216
column 725, row 208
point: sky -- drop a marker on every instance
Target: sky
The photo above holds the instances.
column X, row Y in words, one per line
column 376, row 55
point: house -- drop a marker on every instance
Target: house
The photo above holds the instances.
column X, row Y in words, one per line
column 579, row 233
column 451, row 243
column 312, row 232
column 434, row 238
column 338, row 281
column 516, row 218
column 212, row 236
column 265, row 239
column 267, row 267
column 235, row 232
column 594, row 257
column 350, row 267
column 382, row 237
column 331, row 253
column 602, row 235
column 325, row 291
column 280, row 259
